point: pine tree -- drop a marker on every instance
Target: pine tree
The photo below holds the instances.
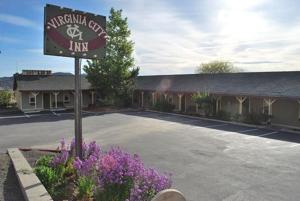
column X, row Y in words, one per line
column 114, row 75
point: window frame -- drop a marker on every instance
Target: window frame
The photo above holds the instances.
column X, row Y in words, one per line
column 69, row 98
column 30, row 97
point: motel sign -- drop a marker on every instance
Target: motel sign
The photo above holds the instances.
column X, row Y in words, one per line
column 76, row 34
column 73, row 33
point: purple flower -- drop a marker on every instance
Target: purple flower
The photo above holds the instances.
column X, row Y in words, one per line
column 60, row 159
column 108, row 162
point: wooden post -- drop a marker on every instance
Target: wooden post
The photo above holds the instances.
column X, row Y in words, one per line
column 55, row 98
column 185, row 103
column 240, row 99
column 142, row 99
column 165, row 95
column 249, row 105
column 35, row 95
column 299, row 109
column 93, row 98
column 179, row 102
column 269, row 102
column 218, row 100
column 153, row 98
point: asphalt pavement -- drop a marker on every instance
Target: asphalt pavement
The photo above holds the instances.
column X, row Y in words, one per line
column 210, row 161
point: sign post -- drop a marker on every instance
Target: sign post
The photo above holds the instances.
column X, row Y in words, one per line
column 77, row 109
column 77, row 34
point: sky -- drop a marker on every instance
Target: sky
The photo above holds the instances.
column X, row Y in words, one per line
column 170, row 36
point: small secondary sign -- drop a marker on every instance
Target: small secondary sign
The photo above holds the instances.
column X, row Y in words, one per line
column 73, row 33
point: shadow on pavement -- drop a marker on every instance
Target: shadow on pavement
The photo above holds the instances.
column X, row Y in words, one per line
column 224, row 127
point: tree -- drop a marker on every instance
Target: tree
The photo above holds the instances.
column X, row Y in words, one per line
column 5, row 98
column 114, row 75
column 217, row 67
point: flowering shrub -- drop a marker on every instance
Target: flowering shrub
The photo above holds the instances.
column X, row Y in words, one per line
column 114, row 175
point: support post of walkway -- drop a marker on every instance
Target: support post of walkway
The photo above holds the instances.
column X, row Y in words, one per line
column 153, row 98
column 142, row 94
column 218, row 100
column 240, row 99
column 299, row 108
column 93, row 97
column 269, row 102
column 185, row 103
column 35, row 95
column 55, row 98
column 179, row 101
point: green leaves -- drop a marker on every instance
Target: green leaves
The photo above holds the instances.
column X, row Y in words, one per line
column 217, row 67
column 114, row 75
column 85, row 188
column 5, row 98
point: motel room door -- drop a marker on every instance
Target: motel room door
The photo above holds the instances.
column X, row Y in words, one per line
column 46, row 100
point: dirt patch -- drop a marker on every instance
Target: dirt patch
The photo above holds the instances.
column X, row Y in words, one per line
column 33, row 155
column 9, row 185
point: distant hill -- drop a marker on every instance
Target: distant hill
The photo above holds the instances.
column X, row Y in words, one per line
column 6, row 83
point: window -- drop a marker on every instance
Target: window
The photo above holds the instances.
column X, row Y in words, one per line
column 66, row 98
column 31, row 99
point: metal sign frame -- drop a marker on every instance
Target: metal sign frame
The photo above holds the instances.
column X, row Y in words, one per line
column 77, row 34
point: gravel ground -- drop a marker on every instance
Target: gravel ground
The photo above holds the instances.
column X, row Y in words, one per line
column 9, row 186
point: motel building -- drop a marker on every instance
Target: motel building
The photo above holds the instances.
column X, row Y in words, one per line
column 38, row 90
column 274, row 94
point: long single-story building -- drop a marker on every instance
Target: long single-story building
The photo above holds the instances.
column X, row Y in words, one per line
column 42, row 90
column 276, row 94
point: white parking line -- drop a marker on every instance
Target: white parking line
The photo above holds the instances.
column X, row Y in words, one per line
column 249, row 130
column 262, row 135
column 213, row 126
column 55, row 113
column 26, row 115
column 12, row 117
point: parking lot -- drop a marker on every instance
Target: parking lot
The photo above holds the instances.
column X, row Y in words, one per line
column 210, row 161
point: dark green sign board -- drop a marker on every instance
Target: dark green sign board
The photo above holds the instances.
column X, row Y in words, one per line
column 73, row 33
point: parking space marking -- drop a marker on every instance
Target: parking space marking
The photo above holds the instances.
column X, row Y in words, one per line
column 249, row 130
column 262, row 135
column 26, row 115
column 56, row 114
column 12, row 117
column 217, row 125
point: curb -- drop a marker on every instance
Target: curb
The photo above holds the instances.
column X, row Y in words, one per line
column 31, row 186
column 228, row 122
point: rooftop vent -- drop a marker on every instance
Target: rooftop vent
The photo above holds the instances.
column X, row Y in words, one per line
column 36, row 72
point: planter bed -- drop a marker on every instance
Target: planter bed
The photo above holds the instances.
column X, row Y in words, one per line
column 112, row 175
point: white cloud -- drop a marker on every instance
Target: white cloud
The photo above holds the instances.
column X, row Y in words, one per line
column 175, row 37
column 18, row 21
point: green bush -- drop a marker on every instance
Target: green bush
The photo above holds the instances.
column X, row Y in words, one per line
column 223, row 115
column 85, row 188
column 164, row 106
column 5, row 98
column 115, row 192
column 44, row 161
column 205, row 102
column 255, row 118
column 48, row 177
column 52, row 178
